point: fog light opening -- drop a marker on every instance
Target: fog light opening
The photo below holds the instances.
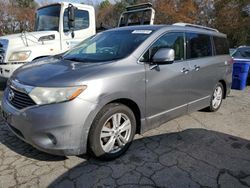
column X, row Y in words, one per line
column 52, row 138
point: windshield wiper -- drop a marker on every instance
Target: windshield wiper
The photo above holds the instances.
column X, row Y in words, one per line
column 74, row 59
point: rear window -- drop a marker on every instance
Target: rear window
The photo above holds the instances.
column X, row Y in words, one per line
column 242, row 53
column 198, row 45
column 221, row 46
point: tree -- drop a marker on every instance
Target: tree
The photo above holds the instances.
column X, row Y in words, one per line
column 232, row 17
column 171, row 11
column 16, row 16
column 108, row 14
column 104, row 4
column 24, row 3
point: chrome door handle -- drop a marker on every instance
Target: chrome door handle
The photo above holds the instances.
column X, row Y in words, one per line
column 155, row 66
column 196, row 67
column 184, row 71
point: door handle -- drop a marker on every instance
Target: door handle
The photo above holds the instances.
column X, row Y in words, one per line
column 155, row 66
column 196, row 67
column 184, row 71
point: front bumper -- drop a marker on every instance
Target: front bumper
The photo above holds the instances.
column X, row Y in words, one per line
column 59, row 129
column 7, row 69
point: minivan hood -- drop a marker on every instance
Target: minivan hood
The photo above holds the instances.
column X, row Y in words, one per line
column 56, row 72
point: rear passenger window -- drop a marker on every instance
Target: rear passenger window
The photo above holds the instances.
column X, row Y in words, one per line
column 174, row 41
column 221, row 46
column 198, row 45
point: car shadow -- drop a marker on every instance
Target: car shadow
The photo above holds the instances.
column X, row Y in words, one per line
column 191, row 158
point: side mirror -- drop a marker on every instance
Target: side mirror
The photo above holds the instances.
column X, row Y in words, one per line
column 164, row 56
column 71, row 18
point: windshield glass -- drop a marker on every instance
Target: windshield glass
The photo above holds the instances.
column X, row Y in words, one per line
column 242, row 53
column 141, row 17
column 108, row 46
column 47, row 18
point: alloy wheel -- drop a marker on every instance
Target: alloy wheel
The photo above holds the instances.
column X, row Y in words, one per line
column 115, row 133
column 217, row 97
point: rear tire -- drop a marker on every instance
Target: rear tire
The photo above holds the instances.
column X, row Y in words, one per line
column 112, row 131
column 216, row 98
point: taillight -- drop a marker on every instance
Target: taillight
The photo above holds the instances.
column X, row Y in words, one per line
column 231, row 61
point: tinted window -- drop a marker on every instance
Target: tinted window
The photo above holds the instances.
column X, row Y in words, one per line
column 47, row 18
column 221, row 46
column 242, row 53
column 169, row 40
column 107, row 46
column 198, row 45
column 81, row 20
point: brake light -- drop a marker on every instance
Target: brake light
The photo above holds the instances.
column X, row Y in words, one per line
column 231, row 61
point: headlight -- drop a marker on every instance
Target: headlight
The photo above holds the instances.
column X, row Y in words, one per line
column 19, row 56
column 46, row 95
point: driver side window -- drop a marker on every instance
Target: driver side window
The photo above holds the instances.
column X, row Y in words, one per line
column 174, row 41
column 81, row 20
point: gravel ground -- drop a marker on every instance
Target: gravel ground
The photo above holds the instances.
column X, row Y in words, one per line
column 197, row 150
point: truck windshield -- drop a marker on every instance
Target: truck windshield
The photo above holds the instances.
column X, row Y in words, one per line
column 47, row 18
column 108, row 46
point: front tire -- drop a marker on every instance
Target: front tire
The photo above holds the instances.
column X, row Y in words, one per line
column 112, row 131
column 216, row 98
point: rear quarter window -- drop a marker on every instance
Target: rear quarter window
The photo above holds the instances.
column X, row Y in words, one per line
column 221, row 46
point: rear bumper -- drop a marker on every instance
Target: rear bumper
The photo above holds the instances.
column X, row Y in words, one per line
column 60, row 129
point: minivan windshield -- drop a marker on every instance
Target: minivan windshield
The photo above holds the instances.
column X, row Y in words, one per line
column 108, row 46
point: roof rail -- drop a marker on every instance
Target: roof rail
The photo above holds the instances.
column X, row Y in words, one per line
column 196, row 26
column 242, row 46
column 139, row 6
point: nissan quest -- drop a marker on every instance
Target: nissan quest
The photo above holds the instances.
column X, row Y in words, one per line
column 118, row 83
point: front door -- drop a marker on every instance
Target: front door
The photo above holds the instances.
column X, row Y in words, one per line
column 84, row 28
column 166, row 88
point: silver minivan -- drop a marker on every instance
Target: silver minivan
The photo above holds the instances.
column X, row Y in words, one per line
column 97, row 96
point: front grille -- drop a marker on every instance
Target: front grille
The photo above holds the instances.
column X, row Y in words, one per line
column 19, row 99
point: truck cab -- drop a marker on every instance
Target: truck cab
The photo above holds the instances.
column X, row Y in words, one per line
column 58, row 27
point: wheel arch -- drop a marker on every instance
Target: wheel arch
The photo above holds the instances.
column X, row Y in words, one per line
column 134, row 107
column 224, row 88
column 125, row 101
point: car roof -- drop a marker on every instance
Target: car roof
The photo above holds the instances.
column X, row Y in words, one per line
column 244, row 47
column 169, row 27
column 139, row 27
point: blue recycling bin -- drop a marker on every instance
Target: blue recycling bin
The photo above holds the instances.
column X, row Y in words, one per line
column 240, row 74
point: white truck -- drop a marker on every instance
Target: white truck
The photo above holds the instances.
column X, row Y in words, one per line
column 58, row 27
